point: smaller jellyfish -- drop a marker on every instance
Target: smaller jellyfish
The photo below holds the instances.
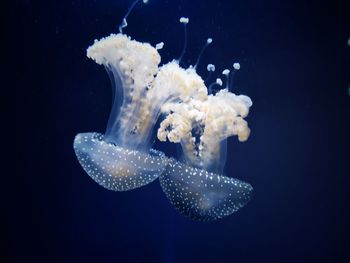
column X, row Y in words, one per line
column 122, row 159
column 196, row 186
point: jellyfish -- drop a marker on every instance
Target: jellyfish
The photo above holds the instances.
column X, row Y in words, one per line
column 200, row 119
column 196, row 185
column 122, row 159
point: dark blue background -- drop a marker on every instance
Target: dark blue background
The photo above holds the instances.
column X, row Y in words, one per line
column 294, row 65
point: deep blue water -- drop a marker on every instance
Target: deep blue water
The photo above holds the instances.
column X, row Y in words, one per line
column 295, row 65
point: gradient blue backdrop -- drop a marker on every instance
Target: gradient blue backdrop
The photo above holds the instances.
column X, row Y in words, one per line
column 294, row 65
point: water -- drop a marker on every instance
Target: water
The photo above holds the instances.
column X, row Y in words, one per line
column 295, row 66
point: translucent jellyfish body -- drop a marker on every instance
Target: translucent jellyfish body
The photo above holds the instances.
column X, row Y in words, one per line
column 197, row 187
column 122, row 159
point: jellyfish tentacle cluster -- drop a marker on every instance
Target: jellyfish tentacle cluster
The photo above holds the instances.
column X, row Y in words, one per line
column 122, row 158
column 132, row 65
column 202, row 126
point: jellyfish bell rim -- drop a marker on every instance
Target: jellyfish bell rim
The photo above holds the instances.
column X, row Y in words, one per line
column 139, row 168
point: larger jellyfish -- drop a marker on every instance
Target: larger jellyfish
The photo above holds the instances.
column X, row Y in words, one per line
column 122, row 159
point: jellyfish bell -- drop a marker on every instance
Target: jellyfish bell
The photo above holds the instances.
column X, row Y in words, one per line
column 203, row 195
column 114, row 167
